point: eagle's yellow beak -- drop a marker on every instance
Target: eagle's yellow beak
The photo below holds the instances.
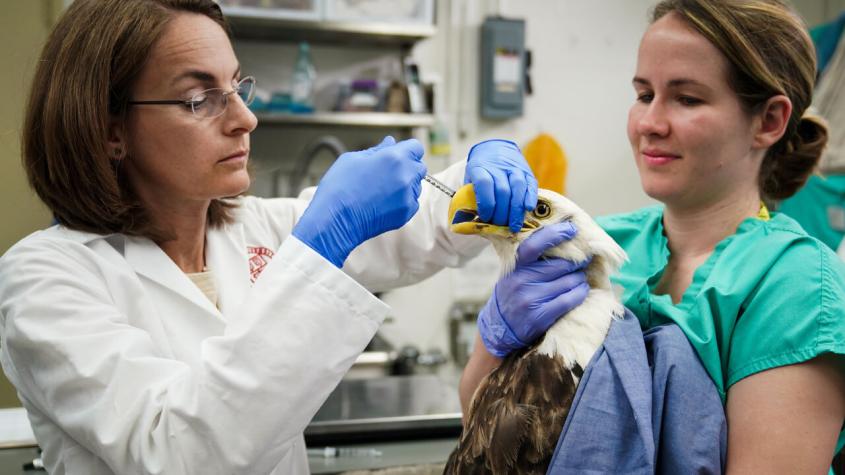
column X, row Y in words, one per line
column 463, row 216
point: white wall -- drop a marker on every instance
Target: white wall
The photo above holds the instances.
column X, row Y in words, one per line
column 584, row 55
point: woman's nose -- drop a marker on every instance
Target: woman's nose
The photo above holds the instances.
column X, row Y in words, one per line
column 238, row 116
column 653, row 120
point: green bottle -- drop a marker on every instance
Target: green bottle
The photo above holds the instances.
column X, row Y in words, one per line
column 304, row 77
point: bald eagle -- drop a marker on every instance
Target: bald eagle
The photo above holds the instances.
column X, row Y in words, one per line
column 518, row 410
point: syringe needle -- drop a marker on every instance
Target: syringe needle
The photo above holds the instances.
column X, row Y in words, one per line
column 439, row 185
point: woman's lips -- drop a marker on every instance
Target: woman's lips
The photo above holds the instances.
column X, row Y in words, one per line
column 658, row 157
column 236, row 157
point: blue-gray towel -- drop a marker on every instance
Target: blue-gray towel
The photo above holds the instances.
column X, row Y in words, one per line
column 645, row 405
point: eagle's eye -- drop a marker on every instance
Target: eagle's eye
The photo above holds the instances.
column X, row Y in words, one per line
column 543, row 210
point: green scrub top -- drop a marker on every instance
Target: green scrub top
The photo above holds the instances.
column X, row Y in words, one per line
column 819, row 207
column 768, row 296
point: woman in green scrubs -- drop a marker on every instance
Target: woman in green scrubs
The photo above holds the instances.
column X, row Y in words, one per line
column 719, row 128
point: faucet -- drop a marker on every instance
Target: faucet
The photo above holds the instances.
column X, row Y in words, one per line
column 300, row 171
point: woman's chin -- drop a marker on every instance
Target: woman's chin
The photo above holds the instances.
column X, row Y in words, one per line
column 233, row 188
column 664, row 190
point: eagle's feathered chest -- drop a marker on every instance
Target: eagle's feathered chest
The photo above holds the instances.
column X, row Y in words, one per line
column 516, row 417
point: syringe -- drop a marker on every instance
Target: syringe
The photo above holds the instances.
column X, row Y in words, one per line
column 439, row 185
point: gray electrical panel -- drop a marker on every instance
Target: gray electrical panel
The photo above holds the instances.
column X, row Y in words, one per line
column 502, row 67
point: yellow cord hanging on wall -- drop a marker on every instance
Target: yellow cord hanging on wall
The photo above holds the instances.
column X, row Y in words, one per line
column 547, row 161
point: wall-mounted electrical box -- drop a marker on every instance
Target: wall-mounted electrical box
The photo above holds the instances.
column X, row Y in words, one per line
column 502, row 67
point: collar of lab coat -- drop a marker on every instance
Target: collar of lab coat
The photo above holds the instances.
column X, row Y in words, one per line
column 226, row 257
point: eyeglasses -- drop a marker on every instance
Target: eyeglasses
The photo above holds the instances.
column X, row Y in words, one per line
column 211, row 102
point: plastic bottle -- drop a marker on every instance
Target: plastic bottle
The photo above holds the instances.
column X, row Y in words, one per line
column 439, row 139
column 304, row 76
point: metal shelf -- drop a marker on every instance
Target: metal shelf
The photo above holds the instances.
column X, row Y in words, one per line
column 352, row 119
column 345, row 33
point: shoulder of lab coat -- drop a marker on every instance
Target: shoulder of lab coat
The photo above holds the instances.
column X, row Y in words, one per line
column 394, row 259
column 122, row 372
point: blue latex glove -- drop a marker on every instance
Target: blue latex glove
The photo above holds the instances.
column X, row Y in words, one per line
column 504, row 185
column 529, row 300
column 362, row 195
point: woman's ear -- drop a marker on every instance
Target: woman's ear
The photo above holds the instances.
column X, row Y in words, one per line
column 772, row 121
column 116, row 143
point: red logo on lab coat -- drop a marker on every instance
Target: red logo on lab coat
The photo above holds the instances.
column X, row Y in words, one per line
column 259, row 257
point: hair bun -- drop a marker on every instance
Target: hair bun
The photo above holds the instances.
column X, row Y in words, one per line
column 791, row 162
column 810, row 137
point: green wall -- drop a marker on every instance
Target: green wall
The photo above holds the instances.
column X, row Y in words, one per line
column 24, row 26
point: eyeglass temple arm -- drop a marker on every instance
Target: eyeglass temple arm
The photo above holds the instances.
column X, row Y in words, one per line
column 187, row 103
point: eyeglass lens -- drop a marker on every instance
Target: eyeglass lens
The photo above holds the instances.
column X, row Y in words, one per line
column 246, row 89
column 213, row 102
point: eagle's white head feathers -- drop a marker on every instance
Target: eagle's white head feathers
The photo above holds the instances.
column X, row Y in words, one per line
column 576, row 336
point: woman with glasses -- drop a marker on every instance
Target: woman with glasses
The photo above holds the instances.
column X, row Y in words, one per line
column 169, row 324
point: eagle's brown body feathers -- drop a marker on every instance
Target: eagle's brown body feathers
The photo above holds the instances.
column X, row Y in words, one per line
column 515, row 418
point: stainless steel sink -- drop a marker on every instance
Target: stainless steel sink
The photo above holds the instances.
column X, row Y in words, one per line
column 387, row 408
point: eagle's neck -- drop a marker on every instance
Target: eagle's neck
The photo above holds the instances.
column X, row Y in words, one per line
column 579, row 333
column 506, row 250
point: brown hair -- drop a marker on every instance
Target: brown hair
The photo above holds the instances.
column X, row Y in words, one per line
column 83, row 78
column 770, row 53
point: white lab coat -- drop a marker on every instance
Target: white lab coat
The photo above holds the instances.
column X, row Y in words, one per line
column 124, row 366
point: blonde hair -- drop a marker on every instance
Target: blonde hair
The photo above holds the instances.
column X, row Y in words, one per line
column 770, row 53
column 84, row 76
